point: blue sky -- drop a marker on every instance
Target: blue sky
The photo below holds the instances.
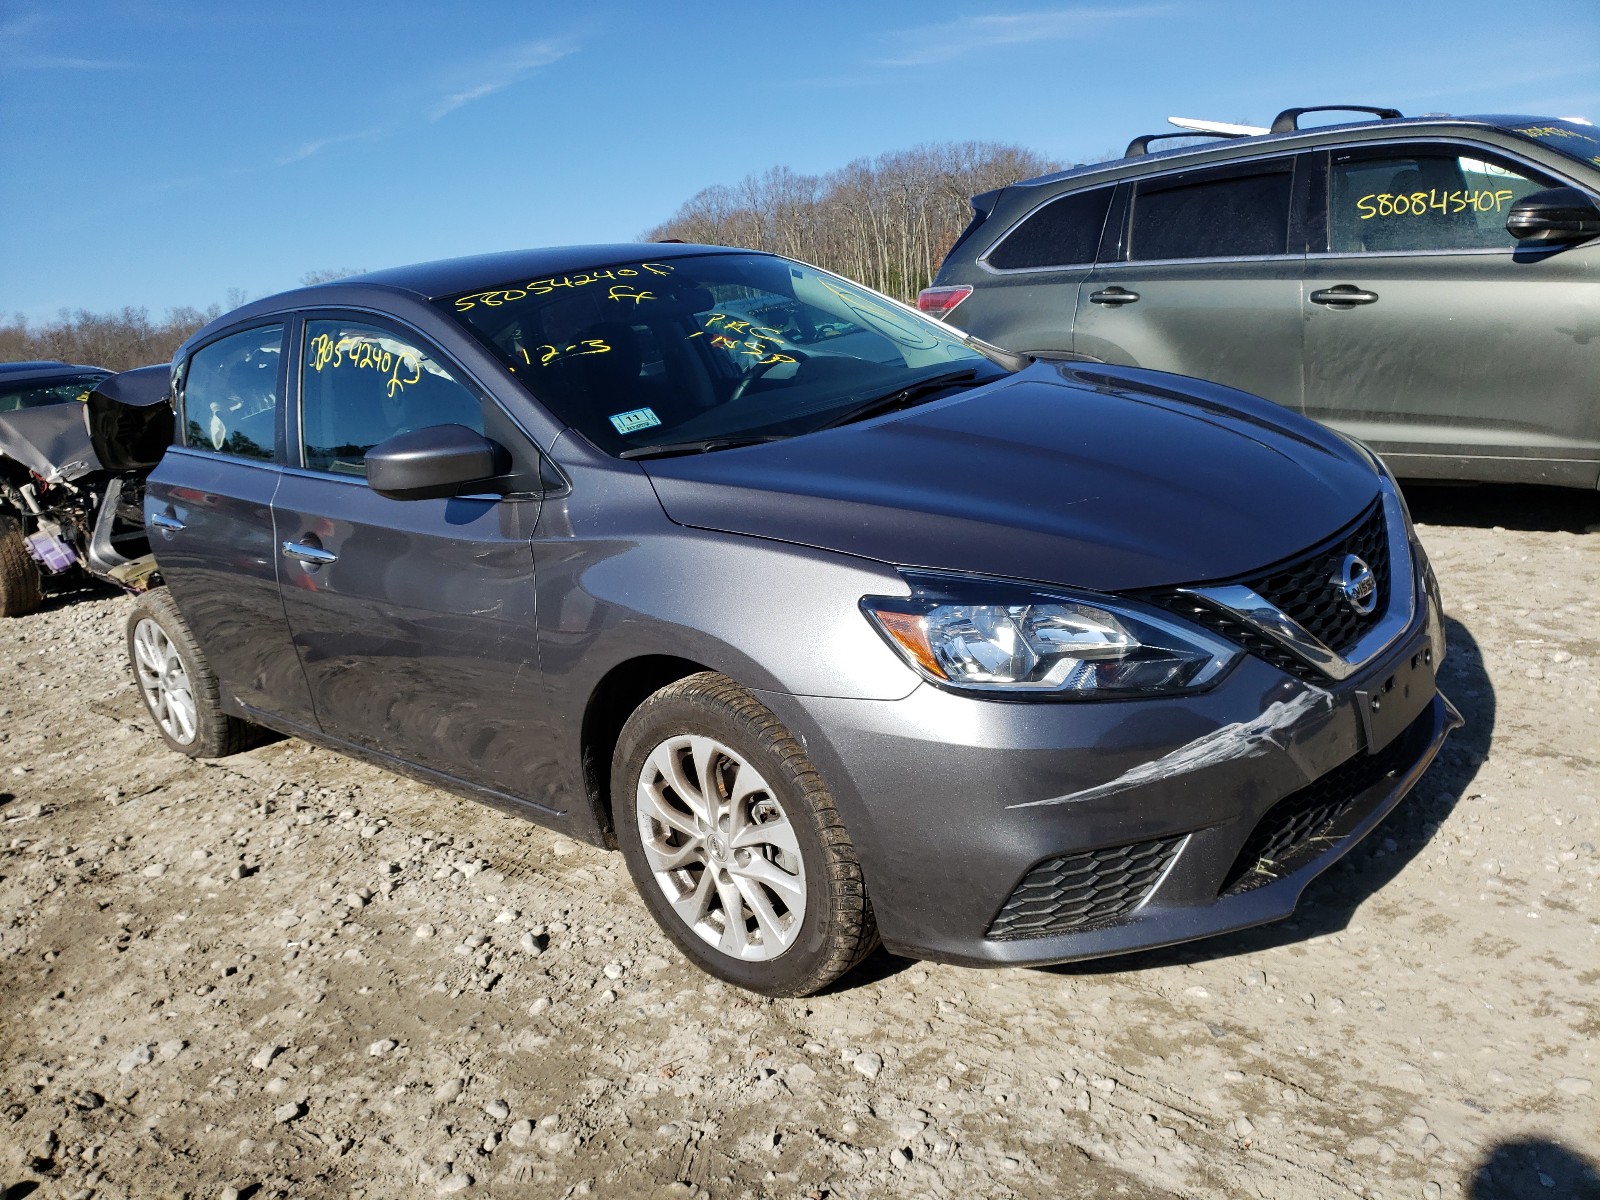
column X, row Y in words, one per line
column 166, row 152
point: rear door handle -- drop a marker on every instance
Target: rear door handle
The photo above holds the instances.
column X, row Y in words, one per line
column 314, row 556
column 1344, row 295
column 165, row 521
column 1115, row 296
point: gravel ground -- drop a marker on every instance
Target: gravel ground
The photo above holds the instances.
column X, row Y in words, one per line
column 290, row 974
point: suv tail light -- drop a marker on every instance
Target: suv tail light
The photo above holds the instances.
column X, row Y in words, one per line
column 941, row 301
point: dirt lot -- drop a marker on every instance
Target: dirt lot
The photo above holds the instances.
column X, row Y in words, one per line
column 289, row 974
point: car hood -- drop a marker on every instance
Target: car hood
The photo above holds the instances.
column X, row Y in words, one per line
column 1106, row 478
column 53, row 441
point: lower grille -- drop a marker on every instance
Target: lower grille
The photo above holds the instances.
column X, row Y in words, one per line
column 1076, row 891
column 1291, row 833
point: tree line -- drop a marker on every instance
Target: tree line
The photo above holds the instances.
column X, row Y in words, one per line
column 886, row 221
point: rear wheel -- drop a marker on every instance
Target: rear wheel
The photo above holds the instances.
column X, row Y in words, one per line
column 21, row 588
column 734, row 841
column 179, row 688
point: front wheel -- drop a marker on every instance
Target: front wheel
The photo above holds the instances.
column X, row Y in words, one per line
column 734, row 841
column 21, row 589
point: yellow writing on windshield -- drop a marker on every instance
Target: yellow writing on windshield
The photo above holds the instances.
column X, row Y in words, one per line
column 623, row 291
column 548, row 354
column 746, row 340
column 1554, row 131
column 1420, row 204
column 495, row 297
column 364, row 353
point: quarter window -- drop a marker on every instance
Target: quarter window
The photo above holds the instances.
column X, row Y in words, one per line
column 1423, row 199
column 230, row 394
column 1237, row 216
column 1065, row 232
column 361, row 385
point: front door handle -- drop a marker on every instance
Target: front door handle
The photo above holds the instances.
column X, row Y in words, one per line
column 312, row 556
column 1344, row 295
column 1116, row 296
column 166, row 521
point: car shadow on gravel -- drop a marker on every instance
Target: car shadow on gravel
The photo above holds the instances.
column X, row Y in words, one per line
column 1534, row 1167
column 1331, row 900
column 1507, row 506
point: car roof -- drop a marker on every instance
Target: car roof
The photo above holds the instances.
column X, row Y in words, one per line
column 448, row 276
column 1502, row 122
column 14, row 372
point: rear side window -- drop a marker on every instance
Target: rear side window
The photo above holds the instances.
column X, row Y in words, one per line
column 1409, row 198
column 230, row 394
column 1237, row 216
column 1065, row 232
column 361, row 385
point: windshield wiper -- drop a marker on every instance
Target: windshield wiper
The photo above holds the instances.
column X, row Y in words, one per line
column 701, row 445
column 899, row 397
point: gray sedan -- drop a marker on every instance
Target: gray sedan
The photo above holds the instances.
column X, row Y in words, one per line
column 841, row 627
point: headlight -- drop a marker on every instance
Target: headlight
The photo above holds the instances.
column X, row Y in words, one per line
column 992, row 637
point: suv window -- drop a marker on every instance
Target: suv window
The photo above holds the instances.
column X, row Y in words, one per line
column 230, row 394
column 361, row 385
column 1228, row 216
column 1065, row 232
column 1409, row 198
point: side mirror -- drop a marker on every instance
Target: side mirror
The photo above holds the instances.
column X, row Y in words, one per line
column 441, row 460
column 1560, row 214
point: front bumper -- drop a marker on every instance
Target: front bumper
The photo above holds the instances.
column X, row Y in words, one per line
column 1026, row 833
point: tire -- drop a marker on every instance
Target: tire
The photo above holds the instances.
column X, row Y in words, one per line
column 778, row 848
column 21, row 588
column 179, row 689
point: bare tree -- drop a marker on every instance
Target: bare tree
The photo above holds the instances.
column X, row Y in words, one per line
column 887, row 221
column 329, row 274
column 117, row 340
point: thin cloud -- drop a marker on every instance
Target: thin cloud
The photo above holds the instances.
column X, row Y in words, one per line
column 502, row 71
column 15, row 55
column 317, row 145
column 934, row 44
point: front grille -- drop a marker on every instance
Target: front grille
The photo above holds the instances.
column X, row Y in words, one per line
column 1293, row 831
column 1076, row 891
column 1303, row 588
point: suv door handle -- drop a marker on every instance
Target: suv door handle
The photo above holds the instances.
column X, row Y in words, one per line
column 1344, row 295
column 312, row 556
column 1115, row 296
column 165, row 521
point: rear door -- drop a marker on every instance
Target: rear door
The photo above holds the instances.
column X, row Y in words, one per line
column 208, row 509
column 414, row 619
column 1431, row 335
column 1031, row 276
column 1206, row 278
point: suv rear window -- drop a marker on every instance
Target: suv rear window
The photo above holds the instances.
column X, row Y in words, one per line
column 1065, row 232
column 1235, row 216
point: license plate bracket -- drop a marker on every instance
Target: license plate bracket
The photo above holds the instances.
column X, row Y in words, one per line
column 1392, row 703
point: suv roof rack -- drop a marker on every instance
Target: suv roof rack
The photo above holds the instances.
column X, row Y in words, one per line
column 1141, row 145
column 1289, row 119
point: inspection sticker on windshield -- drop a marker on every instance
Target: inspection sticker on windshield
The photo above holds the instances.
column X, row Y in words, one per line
column 633, row 422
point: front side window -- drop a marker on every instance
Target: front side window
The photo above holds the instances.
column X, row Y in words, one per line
column 1410, row 198
column 1232, row 216
column 361, row 385
column 230, row 394
column 1065, row 232
column 717, row 346
column 43, row 393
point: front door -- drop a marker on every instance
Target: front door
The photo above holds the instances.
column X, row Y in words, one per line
column 1432, row 336
column 1207, row 280
column 414, row 619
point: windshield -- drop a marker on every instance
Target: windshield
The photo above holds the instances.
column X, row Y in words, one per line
column 38, row 393
column 1575, row 139
column 711, row 348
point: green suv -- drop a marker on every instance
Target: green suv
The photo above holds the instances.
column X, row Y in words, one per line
column 1429, row 285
